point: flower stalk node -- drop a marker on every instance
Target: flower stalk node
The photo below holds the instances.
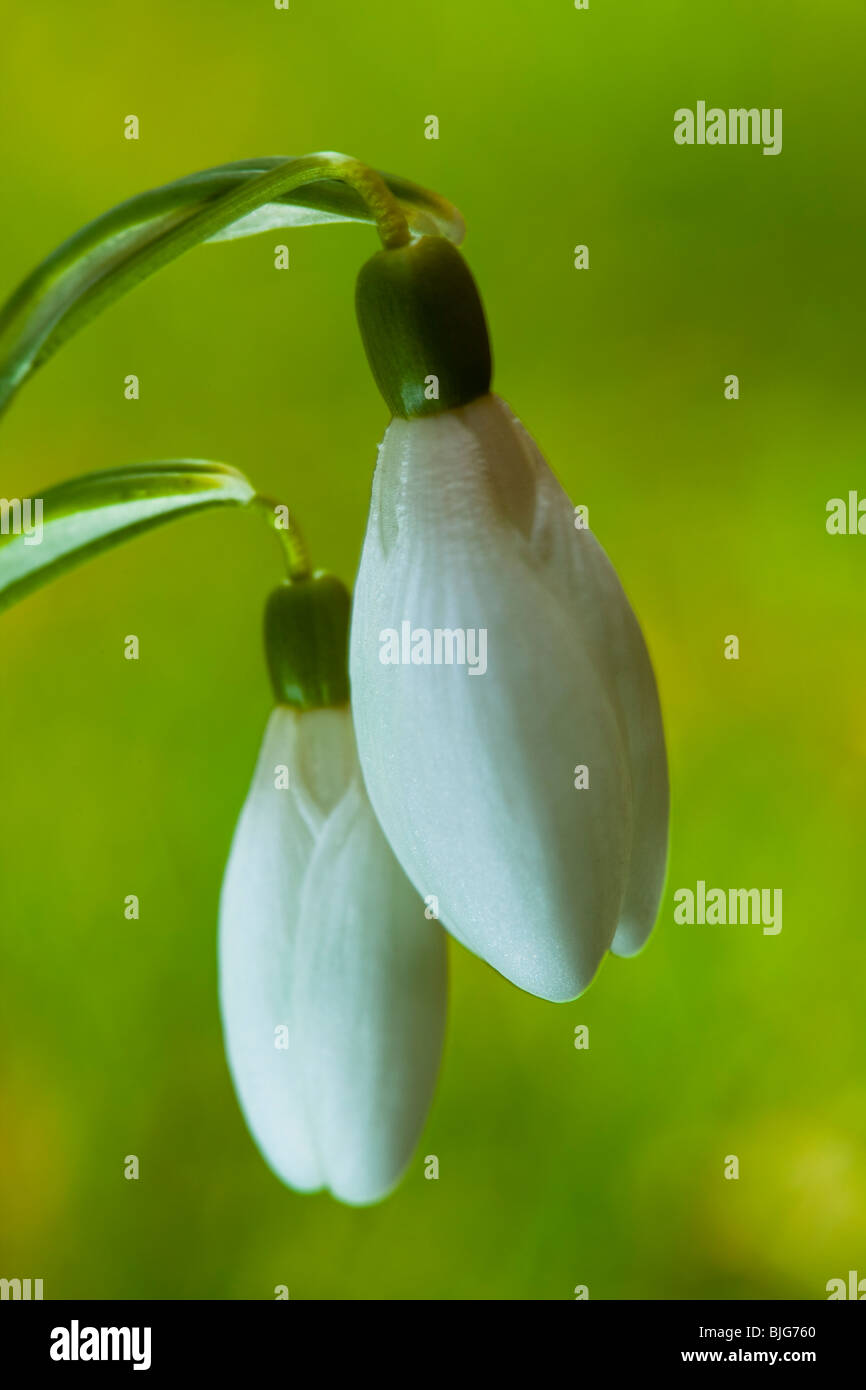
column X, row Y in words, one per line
column 307, row 642
column 423, row 327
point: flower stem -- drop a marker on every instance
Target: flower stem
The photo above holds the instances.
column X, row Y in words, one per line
column 295, row 552
column 390, row 218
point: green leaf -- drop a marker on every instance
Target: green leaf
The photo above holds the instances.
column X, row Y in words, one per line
column 79, row 519
column 427, row 213
column 120, row 249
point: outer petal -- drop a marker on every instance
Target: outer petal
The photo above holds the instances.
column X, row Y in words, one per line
column 471, row 776
column 634, row 684
column 369, row 1003
column 587, row 581
column 259, row 912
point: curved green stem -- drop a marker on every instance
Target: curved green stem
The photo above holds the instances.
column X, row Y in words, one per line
column 297, row 556
column 390, row 218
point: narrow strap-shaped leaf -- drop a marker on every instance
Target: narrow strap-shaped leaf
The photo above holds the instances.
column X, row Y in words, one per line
column 121, row 248
column 43, row 537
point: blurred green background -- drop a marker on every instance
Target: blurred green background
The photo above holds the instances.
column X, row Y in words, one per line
column 558, row 1167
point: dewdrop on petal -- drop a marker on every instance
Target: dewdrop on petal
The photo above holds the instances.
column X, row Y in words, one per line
column 332, row 981
column 472, row 779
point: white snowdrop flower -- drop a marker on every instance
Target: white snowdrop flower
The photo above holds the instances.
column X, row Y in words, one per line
column 332, row 981
column 493, row 651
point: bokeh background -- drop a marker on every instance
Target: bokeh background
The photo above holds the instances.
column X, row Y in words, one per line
column 558, row 1167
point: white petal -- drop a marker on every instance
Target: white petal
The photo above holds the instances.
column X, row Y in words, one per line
column 324, row 762
column 369, row 1003
column 621, row 642
column 577, row 564
column 472, row 776
column 259, row 913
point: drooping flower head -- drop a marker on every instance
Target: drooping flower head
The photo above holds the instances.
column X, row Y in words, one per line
column 332, row 981
column 470, row 765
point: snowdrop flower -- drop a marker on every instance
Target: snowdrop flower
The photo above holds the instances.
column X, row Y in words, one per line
column 527, row 791
column 332, row 981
